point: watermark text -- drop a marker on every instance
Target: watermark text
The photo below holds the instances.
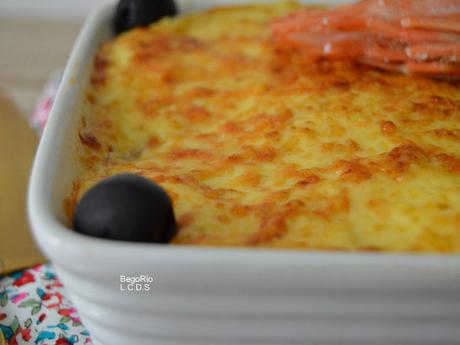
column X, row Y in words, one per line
column 138, row 283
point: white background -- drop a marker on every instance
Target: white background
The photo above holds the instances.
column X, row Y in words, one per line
column 78, row 9
column 49, row 9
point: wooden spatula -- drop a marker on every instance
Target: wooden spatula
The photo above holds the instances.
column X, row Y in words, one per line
column 17, row 147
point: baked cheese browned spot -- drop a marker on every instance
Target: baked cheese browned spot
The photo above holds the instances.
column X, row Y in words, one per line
column 263, row 148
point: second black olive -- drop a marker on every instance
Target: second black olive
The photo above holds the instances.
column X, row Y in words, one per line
column 132, row 13
column 126, row 207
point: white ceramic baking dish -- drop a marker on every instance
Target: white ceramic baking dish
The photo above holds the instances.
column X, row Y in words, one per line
column 218, row 296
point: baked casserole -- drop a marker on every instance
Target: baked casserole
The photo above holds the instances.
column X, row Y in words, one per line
column 259, row 148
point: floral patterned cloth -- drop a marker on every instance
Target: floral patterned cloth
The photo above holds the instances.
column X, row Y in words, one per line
column 34, row 309
column 45, row 102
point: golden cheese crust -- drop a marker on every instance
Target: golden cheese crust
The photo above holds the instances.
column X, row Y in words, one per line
column 261, row 148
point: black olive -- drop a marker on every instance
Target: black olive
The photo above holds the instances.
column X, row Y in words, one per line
column 126, row 207
column 132, row 13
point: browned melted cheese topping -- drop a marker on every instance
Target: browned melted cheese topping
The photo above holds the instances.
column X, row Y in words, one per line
column 261, row 148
